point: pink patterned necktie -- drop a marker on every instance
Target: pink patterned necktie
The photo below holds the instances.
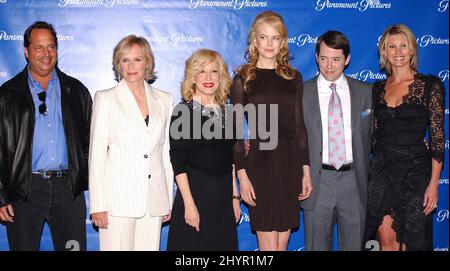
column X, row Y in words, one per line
column 336, row 139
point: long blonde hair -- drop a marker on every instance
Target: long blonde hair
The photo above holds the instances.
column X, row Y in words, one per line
column 194, row 64
column 283, row 68
column 411, row 40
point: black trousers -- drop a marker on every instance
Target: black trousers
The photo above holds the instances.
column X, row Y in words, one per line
column 49, row 201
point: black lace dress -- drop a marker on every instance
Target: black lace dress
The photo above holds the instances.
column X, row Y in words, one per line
column 208, row 164
column 400, row 169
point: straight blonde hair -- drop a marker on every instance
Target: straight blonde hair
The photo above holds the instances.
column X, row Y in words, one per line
column 411, row 40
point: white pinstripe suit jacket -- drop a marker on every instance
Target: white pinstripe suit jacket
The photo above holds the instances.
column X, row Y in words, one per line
column 126, row 156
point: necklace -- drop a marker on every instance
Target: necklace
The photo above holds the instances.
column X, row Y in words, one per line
column 216, row 115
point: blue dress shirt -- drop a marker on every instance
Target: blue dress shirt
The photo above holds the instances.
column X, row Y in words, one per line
column 49, row 140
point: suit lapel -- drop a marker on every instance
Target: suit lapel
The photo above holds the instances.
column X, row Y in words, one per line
column 154, row 107
column 315, row 106
column 129, row 104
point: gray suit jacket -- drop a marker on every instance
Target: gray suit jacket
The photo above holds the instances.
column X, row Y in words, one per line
column 361, row 121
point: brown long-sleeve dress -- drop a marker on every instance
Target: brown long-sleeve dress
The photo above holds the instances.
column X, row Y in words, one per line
column 276, row 175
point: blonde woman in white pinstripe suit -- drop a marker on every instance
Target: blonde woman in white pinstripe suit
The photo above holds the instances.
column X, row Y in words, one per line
column 130, row 176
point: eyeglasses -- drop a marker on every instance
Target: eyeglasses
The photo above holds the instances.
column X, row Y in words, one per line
column 42, row 107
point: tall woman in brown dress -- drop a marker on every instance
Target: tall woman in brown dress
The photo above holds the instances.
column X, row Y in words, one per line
column 404, row 171
column 272, row 181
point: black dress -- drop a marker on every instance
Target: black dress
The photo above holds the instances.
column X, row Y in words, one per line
column 276, row 174
column 400, row 169
column 208, row 165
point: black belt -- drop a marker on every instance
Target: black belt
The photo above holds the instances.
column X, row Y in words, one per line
column 344, row 167
column 51, row 174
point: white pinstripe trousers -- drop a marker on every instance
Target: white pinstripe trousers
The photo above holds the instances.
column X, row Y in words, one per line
column 131, row 234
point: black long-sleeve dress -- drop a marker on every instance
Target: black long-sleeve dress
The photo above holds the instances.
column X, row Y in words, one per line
column 208, row 165
column 400, row 169
column 276, row 174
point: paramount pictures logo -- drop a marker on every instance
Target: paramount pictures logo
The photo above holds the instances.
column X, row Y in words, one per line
column 443, row 6
column 235, row 4
column 443, row 75
column 175, row 38
column 64, row 37
column 302, row 39
column 244, row 218
column 362, row 5
column 365, row 75
column 104, row 3
column 6, row 36
column 426, row 40
column 13, row 37
column 442, row 215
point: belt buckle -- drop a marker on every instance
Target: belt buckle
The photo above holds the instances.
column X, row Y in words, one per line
column 45, row 175
column 59, row 174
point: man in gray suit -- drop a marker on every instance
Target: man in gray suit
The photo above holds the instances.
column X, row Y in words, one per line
column 338, row 118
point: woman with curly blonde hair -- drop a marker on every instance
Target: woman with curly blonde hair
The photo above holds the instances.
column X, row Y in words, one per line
column 195, row 65
column 206, row 206
column 272, row 181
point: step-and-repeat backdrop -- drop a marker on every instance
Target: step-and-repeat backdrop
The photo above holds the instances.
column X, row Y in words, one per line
column 88, row 30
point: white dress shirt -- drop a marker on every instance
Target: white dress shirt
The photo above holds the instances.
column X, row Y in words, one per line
column 343, row 91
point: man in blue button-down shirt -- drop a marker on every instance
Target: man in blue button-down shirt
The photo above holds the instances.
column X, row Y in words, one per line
column 49, row 142
column 44, row 141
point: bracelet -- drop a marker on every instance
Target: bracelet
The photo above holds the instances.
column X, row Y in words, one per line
column 237, row 197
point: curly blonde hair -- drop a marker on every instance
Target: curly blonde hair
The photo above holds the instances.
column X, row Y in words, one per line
column 411, row 40
column 194, row 64
column 124, row 45
column 283, row 68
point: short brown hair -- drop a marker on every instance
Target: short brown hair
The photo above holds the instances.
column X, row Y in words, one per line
column 336, row 40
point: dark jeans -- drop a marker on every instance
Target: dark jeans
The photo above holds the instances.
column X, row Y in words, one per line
column 50, row 200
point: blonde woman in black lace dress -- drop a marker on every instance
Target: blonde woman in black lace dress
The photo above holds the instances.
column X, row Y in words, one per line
column 404, row 172
column 206, row 207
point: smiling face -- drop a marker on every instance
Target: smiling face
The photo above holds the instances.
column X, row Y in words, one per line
column 42, row 53
column 331, row 62
column 268, row 42
column 398, row 52
column 207, row 81
column 133, row 65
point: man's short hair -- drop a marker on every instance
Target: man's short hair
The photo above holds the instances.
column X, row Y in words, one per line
column 38, row 25
column 336, row 40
